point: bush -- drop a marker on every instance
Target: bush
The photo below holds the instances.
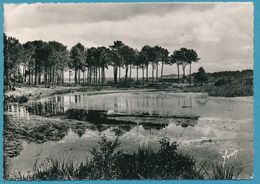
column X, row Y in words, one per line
column 220, row 172
column 221, row 82
column 109, row 162
column 238, row 88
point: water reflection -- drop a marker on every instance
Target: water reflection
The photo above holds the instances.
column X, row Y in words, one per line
column 128, row 103
column 161, row 103
column 137, row 118
column 16, row 110
column 41, row 131
column 18, row 130
column 119, row 113
column 52, row 107
column 102, row 111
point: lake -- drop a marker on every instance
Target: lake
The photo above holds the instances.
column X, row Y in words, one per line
column 68, row 126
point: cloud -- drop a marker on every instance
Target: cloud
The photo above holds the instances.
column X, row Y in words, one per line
column 41, row 14
column 221, row 33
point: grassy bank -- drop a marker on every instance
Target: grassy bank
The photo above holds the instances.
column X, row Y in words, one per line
column 222, row 84
column 25, row 93
column 109, row 162
column 220, row 88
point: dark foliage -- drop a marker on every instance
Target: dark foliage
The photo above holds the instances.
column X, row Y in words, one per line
column 109, row 162
column 19, row 99
column 201, row 76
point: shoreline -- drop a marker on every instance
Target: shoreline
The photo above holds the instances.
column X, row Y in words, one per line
column 35, row 93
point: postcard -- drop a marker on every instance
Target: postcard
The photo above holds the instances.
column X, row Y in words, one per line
column 128, row 91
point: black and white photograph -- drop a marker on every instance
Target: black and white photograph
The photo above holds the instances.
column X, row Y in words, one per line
column 128, row 91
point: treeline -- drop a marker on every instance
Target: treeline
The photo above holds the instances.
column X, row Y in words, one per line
column 27, row 63
column 228, row 76
column 244, row 74
column 244, row 77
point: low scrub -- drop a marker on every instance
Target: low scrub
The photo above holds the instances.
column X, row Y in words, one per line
column 234, row 89
column 220, row 172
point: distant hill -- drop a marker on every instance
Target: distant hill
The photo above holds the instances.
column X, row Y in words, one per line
column 171, row 76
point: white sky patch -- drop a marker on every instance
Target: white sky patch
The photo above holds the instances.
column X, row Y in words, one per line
column 221, row 33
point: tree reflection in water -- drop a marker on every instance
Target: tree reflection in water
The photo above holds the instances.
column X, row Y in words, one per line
column 143, row 110
column 122, row 103
column 18, row 130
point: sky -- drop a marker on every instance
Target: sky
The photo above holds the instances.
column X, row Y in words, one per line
column 221, row 33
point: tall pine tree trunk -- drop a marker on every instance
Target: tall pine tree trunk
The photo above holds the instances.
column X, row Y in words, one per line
column 49, row 76
column 130, row 72
column 119, row 74
column 143, row 74
column 32, row 78
column 178, row 68
column 62, row 74
column 58, row 77
column 79, row 76
column 156, row 73
column 103, row 75
column 35, row 77
column 39, row 77
column 152, row 73
column 95, row 73
column 97, row 70
column 84, row 76
column 45, row 77
column 99, row 75
column 69, row 76
column 190, row 73
column 24, row 74
column 90, row 75
column 162, row 70
column 75, row 76
column 15, row 77
column 183, row 69
column 147, row 74
column 115, row 74
column 136, row 74
column 29, row 73
column 53, row 77
column 126, row 72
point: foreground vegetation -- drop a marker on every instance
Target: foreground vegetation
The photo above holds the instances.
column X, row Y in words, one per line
column 109, row 162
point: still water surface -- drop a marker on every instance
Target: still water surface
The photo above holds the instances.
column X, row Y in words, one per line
column 220, row 124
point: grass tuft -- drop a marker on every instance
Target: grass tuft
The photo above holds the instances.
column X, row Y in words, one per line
column 109, row 162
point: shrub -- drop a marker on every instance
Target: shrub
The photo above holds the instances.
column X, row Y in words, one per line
column 109, row 162
column 218, row 171
column 221, row 82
